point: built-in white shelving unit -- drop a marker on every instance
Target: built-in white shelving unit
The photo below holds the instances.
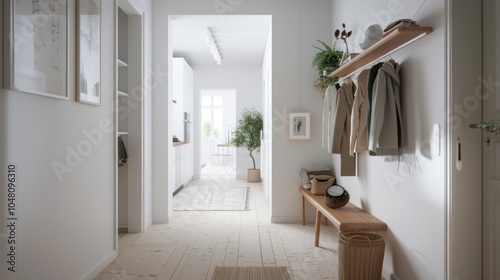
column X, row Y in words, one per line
column 129, row 115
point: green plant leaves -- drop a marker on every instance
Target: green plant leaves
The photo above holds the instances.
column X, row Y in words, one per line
column 324, row 62
column 490, row 127
column 247, row 131
column 327, row 59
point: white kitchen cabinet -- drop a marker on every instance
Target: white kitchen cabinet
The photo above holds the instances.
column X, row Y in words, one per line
column 183, row 79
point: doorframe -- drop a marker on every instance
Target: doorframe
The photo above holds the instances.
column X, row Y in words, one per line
column 489, row 99
column 464, row 178
column 131, row 9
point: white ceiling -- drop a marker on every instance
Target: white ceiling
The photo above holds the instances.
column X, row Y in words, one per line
column 241, row 39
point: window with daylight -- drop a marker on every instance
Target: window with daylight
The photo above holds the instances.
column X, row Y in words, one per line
column 211, row 116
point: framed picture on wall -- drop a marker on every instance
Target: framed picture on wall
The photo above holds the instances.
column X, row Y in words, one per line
column 89, row 51
column 300, row 126
column 36, row 48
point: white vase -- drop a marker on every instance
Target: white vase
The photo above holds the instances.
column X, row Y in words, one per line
column 345, row 55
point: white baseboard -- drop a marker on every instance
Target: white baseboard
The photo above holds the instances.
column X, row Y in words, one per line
column 101, row 266
column 286, row 220
column 160, row 220
column 188, row 181
column 149, row 222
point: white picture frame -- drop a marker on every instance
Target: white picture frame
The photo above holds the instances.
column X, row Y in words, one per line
column 300, row 126
column 36, row 51
column 88, row 51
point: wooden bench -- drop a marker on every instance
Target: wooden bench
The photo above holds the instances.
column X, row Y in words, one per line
column 348, row 218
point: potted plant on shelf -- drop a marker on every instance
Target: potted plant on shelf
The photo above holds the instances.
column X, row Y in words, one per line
column 247, row 135
column 329, row 59
column 325, row 62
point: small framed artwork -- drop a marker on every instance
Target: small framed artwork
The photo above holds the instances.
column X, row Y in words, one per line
column 300, row 126
column 37, row 47
column 89, row 51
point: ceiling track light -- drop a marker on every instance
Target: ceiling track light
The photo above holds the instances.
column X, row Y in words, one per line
column 214, row 48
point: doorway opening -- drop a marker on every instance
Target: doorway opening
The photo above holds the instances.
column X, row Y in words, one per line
column 217, row 122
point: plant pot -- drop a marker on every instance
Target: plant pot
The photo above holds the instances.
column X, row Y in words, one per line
column 253, row 175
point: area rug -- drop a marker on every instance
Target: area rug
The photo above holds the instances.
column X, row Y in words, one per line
column 251, row 273
column 211, row 198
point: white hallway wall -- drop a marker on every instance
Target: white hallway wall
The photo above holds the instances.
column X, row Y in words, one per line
column 66, row 228
column 412, row 204
column 295, row 27
column 247, row 84
column 68, row 222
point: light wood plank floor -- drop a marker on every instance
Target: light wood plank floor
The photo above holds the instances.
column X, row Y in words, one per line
column 217, row 169
column 195, row 242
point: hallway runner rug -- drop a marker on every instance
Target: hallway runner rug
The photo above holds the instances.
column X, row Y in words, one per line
column 251, row 273
column 211, row 198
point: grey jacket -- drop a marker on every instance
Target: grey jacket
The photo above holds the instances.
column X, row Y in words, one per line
column 385, row 133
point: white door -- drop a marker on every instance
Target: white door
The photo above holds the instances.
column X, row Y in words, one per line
column 491, row 142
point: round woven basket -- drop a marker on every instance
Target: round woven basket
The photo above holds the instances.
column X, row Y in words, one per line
column 361, row 256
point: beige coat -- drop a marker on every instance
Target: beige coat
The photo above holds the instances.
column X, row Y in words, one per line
column 337, row 125
column 342, row 129
column 342, row 124
column 359, row 116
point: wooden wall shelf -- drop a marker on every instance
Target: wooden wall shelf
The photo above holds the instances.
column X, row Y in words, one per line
column 391, row 42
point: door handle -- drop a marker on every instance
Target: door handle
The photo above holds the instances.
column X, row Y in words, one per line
column 458, row 163
column 476, row 126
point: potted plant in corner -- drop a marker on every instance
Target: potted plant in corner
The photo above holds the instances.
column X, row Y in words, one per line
column 247, row 135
